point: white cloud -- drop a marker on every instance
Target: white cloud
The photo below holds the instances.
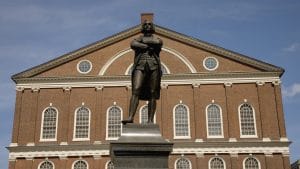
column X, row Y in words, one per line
column 291, row 91
column 293, row 47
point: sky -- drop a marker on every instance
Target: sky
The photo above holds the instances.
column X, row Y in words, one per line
column 33, row 32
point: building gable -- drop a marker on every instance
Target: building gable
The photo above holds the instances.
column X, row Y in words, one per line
column 181, row 54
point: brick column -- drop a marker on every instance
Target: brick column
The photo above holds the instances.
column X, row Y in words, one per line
column 17, row 114
column 232, row 116
column 63, row 119
column 164, row 102
column 35, row 128
column 279, row 108
column 199, row 130
column 99, row 115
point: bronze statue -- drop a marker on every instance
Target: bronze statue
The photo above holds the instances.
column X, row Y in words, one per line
column 146, row 73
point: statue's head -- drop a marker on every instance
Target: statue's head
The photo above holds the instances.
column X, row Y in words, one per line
column 148, row 27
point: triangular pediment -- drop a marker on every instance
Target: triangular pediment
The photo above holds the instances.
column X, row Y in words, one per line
column 160, row 31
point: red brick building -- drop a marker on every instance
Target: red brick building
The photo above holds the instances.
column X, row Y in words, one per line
column 221, row 109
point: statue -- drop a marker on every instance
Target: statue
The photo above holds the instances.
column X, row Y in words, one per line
column 146, row 72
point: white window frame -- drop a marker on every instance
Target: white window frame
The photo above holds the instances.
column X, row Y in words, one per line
column 42, row 125
column 107, row 113
column 210, row 57
column 88, row 70
column 46, row 161
column 209, row 166
column 254, row 118
column 221, row 118
column 74, row 129
column 244, row 161
column 87, row 164
column 106, row 165
column 140, row 114
column 189, row 123
column 190, row 163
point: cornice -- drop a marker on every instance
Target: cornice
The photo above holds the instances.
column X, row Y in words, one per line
column 218, row 50
column 135, row 30
column 190, row 76
column 77, row 53
column 179, row 148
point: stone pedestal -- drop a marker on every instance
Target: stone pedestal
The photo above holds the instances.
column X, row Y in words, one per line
column 140, row 146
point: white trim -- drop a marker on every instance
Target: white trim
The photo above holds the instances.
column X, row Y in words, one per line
column 259, row 167
column 106, row 128
column 210, row 57
column 87, row 164
column 88, row 70
column 112, row 59
column 189, row 161
column 140, row 114
column 202, row 150
column 209, row 166
column 231, row 150
column 42, row 124
column 181, row 57
column 74, row 126
column 189, row 125
column 166, row 49
column 165, row 66
column 46, row 161
column 221, row 118
column 167, row 82
column 128, row 68
column 254, row 119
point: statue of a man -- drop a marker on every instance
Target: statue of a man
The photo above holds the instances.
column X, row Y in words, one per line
column 146, row 72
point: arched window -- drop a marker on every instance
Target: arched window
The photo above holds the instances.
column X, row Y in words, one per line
column 251, row 163
column 183, row 163
column 214, row 121
column 82, row 124
column 49, row 124
column 110, row 165
column 144, row 115
column 247, row 120
column 46, row 165
column 80, row 164
column 164, row 69
column 114, row 117
column 216, row 163
column 181, row 121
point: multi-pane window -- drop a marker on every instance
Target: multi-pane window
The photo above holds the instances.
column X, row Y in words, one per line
column 49, row 124
column 114, row 117
column 80, row 165
column 110, row 165
column 251, row 163
column 247, row 120
column 183, row 164
column 216, row 163
column 144, row 114
column 46, row 165
column 82, row 123
column 214, row 121
column 181, row 121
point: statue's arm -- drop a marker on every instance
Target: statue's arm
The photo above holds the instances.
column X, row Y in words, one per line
column 136, row 44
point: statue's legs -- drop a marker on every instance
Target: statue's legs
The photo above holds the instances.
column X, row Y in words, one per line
column 154, row 77
column 137, row 81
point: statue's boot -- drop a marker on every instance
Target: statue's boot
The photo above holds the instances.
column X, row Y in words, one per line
column 129, row 120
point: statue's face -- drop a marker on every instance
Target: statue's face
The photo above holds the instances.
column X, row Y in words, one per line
column 148, row 27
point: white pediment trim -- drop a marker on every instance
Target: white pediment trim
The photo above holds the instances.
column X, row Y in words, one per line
column 166, row 49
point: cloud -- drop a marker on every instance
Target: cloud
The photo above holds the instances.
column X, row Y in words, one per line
column 291, row 91
column 293, row 47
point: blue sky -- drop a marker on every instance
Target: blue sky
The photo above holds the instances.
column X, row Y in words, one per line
column 33, row 32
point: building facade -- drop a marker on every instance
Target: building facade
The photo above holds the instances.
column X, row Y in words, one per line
column 221, row 109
